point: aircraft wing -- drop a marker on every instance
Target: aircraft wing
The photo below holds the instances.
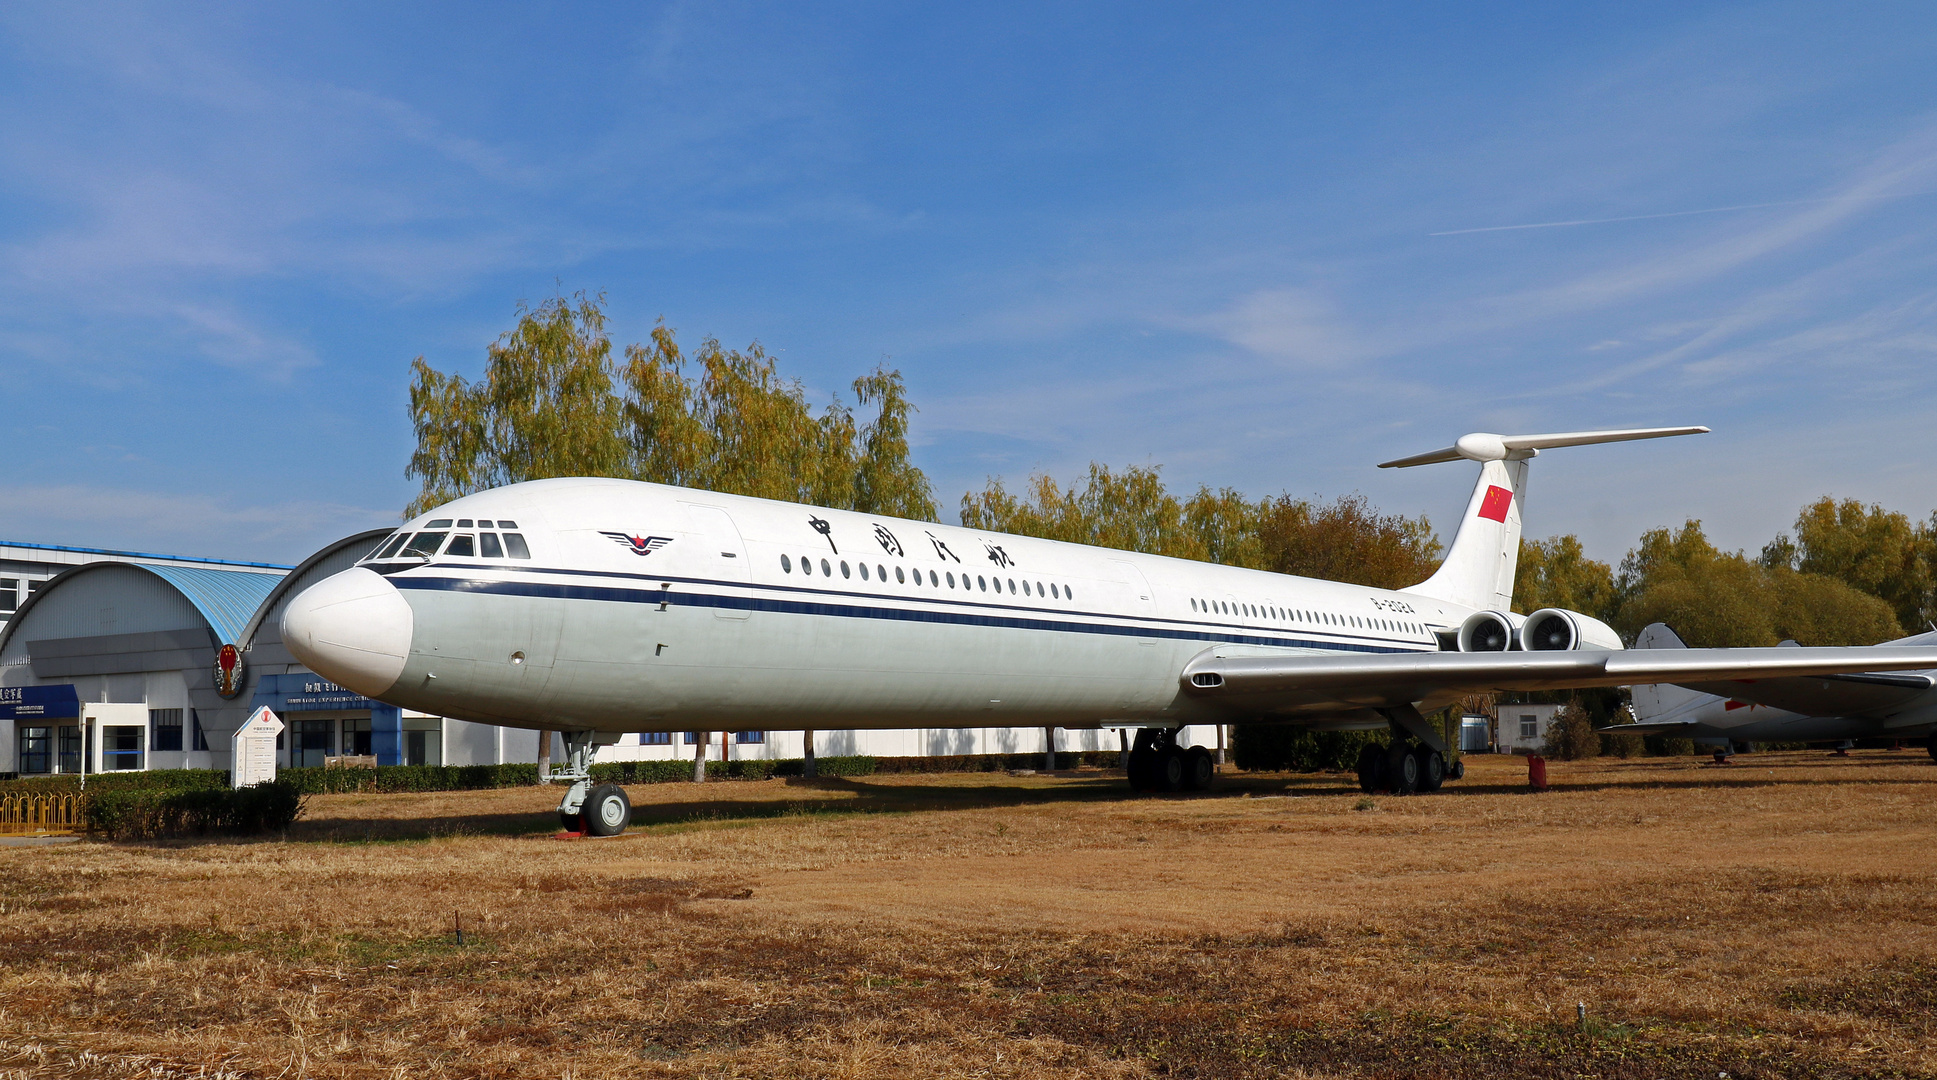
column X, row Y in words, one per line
column 1392, row 680
column 1856, row 694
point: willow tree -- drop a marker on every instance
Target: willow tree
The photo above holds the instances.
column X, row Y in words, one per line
column 1346, row 540
column 1718, row 599
column 552, row 402
column 1877, row 551
column 545, row 407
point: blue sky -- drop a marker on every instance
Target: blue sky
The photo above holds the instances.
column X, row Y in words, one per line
column 1262, row 246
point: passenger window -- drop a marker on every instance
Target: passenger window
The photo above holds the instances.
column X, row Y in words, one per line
column 1025, row 586
column 424, row 544
column 489, row 547
column 462, row 544
column 982, row 583
column 1039, row 591
column 826, row 570
column 786, row 564
column 864, row 571
column 844, row 570
column 390, row 548
column 901, row 576
column 1193, row 603
column 514, row 545
column 933, row 581
column 1012, row 586
column 881, row 572
column 1055, row 593
column 1068, row 595
column 951, row 579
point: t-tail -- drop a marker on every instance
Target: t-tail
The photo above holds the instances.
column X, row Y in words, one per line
column 1478, row 571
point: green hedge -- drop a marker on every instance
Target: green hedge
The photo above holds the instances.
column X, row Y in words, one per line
column 945, row 763
column 131, row 813
column 158, row 779
column 1280, row 747
column 312, row 780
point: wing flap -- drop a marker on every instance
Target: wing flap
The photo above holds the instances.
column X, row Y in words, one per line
column 1392, row 679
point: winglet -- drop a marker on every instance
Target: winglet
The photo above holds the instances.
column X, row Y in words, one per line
column 1486, row 446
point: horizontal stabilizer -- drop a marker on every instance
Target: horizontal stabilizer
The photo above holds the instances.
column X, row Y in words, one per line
column 1393, row 679
column 1485, row 446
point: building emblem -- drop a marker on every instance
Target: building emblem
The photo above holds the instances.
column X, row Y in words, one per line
column 228, row 671
column 640, row 545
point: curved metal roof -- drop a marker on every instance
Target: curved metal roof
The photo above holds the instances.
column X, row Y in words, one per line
column 226, row 598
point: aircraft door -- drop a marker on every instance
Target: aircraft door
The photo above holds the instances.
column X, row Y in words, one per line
column 724, row 561
column 1143, row 603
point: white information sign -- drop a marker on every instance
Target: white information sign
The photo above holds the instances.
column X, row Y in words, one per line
column 253, row 749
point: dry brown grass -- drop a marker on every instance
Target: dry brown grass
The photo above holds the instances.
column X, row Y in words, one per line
column 1771, row 918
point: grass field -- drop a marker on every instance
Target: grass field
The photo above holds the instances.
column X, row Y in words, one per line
column 1777, row 917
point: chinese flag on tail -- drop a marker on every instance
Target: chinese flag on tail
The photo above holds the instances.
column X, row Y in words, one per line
column 1494, row 506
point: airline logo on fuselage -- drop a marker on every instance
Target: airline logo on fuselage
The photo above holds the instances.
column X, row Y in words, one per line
column 1494, row 506
column 640, row 545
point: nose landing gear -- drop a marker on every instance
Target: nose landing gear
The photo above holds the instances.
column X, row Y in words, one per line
column 603, row 810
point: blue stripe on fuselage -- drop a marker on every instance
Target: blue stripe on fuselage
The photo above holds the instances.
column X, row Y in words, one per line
column 612, row 594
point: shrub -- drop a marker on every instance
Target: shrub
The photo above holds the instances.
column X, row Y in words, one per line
column 1570, row 736
column 134, row 813
column 1615, row 744
column 1275, row 747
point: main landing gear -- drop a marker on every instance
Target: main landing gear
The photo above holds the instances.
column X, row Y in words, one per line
column 589, row 810
column 1157, row 763
column 1414, row 761
column 1403, row 768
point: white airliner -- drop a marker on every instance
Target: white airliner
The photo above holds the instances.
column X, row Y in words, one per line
column 595, row 607
column 1827, row 708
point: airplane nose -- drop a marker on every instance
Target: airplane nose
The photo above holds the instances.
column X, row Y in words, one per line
column 352, row 628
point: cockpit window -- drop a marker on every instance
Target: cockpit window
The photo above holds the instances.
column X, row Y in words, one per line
column 503, row 524
column 462, row 544
column 463, row 523
column 424, row 544
column 489, row 547
column 440, row 523
column 515, row 544
column 390, row 546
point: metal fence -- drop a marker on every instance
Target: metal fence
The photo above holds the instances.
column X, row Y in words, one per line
column 53, row 814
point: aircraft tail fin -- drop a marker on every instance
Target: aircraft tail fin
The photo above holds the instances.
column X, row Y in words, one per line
column 1665, row 703
column 1478, row 570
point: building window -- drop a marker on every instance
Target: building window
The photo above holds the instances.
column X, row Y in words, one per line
column 1529, row 727
column 356, row 737
column 749, row 737
column 9, row 593
column 36, row 749
column 655, row 738
column 201, row 740
column 315, row 740
column 692, row 738
column 69, row 751
column 415, row 748
column 165, row 729
column 120, row 748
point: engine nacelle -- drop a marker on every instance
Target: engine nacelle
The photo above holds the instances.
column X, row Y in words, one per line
column 1490, row 631
column 1560, row 630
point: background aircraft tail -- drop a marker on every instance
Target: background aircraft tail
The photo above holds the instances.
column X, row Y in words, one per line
column 1478, row 571
column 1665, row 703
